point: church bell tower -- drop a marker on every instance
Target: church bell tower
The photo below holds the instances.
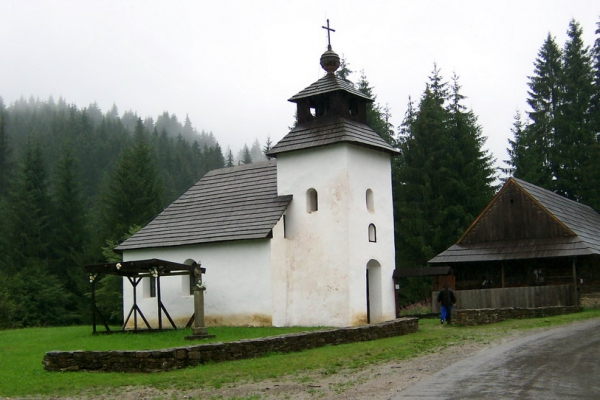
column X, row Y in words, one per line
column 336, row 264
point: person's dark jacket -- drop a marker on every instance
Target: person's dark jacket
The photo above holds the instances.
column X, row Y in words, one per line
column 446, row 297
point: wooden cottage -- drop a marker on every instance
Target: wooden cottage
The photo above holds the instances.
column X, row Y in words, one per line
column 528, row 248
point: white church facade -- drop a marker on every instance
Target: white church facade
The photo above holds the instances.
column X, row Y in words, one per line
column 304, row 239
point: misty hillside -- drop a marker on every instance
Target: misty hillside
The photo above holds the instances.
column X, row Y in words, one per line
column 96, row 139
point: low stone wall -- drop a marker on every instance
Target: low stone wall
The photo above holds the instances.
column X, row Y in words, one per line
column 491, row 315
column 182, row 357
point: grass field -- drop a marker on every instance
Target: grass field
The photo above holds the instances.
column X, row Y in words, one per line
column 22, row 350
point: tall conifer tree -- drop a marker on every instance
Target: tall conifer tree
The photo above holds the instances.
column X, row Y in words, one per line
column 29, row 223
column 377, row 118
column 134, row 193
column 69, row 226
column 558, row 147
column 246, row 157
column 229, row 162
column 574, row 137
column 444, row 176
column 545, row 97
column 4, row 153
column 593, row 170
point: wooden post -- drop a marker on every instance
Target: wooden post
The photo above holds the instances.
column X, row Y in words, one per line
column 134, row 287
column 575, row 296
column 94, row 307
column 502, row 274
column 396, row 296
column 158, row 301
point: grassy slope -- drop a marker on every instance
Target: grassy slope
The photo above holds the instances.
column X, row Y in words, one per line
column 22, row 373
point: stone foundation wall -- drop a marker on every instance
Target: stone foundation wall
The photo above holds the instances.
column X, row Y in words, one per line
column 491, row 315
column 189, row 356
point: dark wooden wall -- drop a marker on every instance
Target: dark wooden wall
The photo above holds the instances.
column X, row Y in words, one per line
column 514, row 215
column 522, row 297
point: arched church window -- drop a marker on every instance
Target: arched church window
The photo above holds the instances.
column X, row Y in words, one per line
column 370, row 201
column 372, row 233
column 312, row 200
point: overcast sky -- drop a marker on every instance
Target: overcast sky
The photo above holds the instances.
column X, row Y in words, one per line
column 232, row 65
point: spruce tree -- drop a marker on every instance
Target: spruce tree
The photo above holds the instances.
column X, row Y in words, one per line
column 574, row 138
column 34, row 294
column 69, row 226
column 519, row 163
column 246, row 157
column 29, row 223
column 256, row 152
column 423, row 144
column 471, row 188
column 267, row 147
column 134, row 192
column 558, row 147
column 377, row 118
column 229, row 162
column 344, row 71
column 593, row 169
column 444, row 177
column 595, row 106
column 217, row 158
column 4, row 153
column 545, row 97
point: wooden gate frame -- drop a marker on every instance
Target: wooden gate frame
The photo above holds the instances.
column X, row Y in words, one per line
column 134, row 271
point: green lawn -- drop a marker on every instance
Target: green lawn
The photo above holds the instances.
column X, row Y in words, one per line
column 22, row 373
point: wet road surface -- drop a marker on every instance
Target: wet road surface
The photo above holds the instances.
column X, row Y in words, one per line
column 561, row 363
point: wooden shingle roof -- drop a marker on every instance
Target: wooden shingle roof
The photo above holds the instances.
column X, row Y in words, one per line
column 327, row 84
column 524, row 221
column 329, row 131
column 227, row 204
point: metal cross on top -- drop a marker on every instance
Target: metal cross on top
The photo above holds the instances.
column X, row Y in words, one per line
column 329, row 30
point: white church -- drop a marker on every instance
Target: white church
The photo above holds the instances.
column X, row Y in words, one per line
column 305, row 239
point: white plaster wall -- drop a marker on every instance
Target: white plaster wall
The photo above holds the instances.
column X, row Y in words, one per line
column 371, row 169
column 238, row 280
column 324, row 260
column 314, row 257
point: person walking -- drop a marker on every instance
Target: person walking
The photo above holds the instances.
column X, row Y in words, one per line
column 446, row 299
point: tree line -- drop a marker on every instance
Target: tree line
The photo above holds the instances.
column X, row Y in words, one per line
column 556, row 145
column 75, row 182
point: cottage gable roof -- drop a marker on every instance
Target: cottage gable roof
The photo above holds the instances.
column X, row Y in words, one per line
column 329, row 131
column 227, row 204
column 526, row 221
